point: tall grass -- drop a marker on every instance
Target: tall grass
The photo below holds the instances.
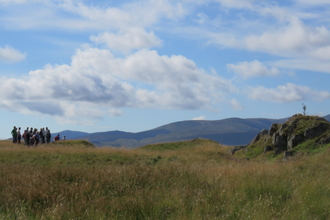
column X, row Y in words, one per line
column 201, row 182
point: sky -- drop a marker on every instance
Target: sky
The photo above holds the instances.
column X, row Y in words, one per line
column 132, row 66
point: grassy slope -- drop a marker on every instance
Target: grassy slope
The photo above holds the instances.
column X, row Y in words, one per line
column 184, row 180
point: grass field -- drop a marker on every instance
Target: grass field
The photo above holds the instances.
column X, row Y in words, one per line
column 187, row 180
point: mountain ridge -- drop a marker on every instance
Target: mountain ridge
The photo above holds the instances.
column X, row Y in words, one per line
column 230, row 131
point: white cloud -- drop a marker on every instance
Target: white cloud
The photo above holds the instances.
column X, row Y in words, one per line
column 314, row 2
column 11, row 55
column 237, row 3
column 304, row 64
column 286, row 93
column 252, row 69
column 115, row 112
column 200, row 118
column 236, row 105
column 97, row 80
column 135, row 14
column 295, row 39
column 127, row 40
column 84, row 16
column 7, row 2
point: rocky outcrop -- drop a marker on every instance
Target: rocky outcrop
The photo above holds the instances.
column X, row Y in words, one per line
column 285, row 137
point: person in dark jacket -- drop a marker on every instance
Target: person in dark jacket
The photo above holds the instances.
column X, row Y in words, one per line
column 48, row 135
column 14, row 134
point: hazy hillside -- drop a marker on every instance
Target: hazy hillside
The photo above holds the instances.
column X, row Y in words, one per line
column 231, row 131
column 70, row 134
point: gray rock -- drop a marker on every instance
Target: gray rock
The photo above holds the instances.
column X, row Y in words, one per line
column 273, row 129
column 316, row 131
column 279, row 141
column 281, row 130
column 294, row 140
column 267, row 149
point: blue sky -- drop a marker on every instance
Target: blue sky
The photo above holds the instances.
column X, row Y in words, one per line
column 135, row 65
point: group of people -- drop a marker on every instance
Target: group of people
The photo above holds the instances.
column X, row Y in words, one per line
column 32, row 136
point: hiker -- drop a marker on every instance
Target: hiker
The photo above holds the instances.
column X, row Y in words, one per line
column 57, row 137
column 41, row 134
column 63, row 138
column 44, row 135
column 48, row 135
column 25, row 137
column 19, row 135
column 14, row 134
column 36, row 139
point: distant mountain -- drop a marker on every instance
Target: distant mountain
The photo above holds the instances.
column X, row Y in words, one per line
column 327, row 117
column 231, row 131
column 70, row 134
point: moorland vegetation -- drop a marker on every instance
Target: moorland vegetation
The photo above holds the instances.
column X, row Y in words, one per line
column 195, row 179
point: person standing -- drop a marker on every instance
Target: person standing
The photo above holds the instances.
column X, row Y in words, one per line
column 48, row 135
column 28, row 137
column 44, row 135
column 24, row 137
column 41, row 134
column 14, row 134
column 19, row 135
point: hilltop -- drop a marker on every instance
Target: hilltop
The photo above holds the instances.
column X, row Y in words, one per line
column 299, row 134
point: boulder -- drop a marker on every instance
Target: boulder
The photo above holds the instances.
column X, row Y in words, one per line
column 267, row 148
column 316, row 131
column 279, row 141
column 273, row 129
column 282, row 130
column 294, row 140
